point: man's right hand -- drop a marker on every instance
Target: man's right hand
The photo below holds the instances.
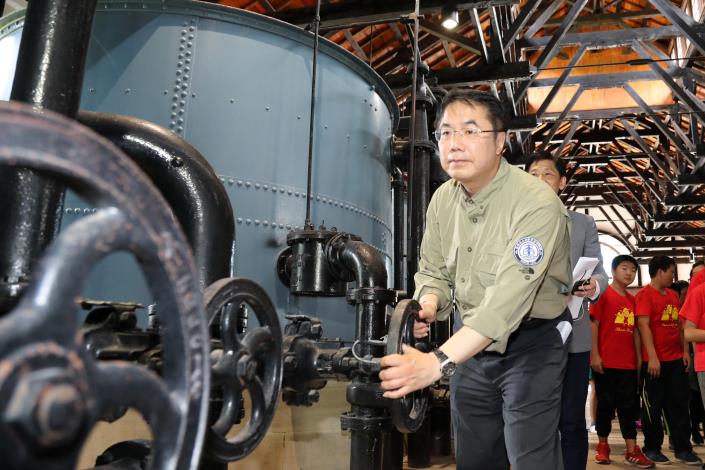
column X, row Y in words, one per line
column 654, row 368
column 429, row 308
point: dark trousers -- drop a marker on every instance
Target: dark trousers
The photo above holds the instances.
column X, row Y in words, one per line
column 667, row 393
column 505, row 407
column 574, row 439
column 616, row 389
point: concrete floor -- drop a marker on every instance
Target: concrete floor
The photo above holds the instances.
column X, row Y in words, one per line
column 617, row 446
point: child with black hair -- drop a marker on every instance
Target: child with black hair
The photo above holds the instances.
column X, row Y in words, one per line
column 665, row 362
column 614, row 362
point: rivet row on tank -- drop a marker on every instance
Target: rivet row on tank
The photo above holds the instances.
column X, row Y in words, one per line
column 266, row 108
column 256, row 221
column 298, row 117
column 232, row 100
column 239, row 182
column 231, row 181
column 91, row 90
column 127, row 90
column 257, row 185
column 248, row 221
column 266, row 186
column 239, row 220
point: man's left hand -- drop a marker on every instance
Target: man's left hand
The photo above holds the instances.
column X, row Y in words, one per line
column 587, row 290
column 405, row 373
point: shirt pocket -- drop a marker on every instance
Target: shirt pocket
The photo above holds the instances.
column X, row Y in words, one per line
column 486, row 266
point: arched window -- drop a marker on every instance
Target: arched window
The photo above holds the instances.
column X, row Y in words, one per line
column 611, row 247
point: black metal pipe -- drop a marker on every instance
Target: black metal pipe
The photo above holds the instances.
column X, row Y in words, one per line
column 419, row 179
column 393, row 458
column 440, row 427
column 49, row 75
column 186, row 180
column 366, row 263
column 419, row 446
column 2, row 7
column 312, row 121
column 399, row 218
column 420, row 195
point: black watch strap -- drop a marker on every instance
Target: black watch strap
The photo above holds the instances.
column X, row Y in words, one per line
column 447, row 366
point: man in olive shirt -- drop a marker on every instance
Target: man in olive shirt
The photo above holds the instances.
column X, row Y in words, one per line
column 496, row 243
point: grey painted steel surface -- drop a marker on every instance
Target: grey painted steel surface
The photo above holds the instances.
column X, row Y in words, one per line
column 236, row 85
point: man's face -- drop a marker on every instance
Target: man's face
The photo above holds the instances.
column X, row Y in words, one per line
column 546, row 171
column 472, row 161
column 624, row 273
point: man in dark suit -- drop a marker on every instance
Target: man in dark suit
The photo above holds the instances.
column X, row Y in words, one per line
column 583, row 242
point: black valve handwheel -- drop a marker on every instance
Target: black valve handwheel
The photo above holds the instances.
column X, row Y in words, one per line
column 251, row 360
column 409, row 411
column 52, row 390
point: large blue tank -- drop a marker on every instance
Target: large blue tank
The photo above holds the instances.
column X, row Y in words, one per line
column 237, row 86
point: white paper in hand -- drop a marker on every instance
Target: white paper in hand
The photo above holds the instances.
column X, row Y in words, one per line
column 582, row 272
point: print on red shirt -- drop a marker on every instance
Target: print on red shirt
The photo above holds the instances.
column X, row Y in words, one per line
column 615, row 338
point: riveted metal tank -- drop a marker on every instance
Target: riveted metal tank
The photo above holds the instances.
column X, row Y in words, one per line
column 237, row 86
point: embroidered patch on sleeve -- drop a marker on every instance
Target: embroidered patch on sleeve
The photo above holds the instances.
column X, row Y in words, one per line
column 528, row 251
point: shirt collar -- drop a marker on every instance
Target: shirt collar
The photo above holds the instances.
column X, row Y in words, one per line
column 480, row 199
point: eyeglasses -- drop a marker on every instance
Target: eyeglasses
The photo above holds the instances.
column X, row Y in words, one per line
column 467, row 134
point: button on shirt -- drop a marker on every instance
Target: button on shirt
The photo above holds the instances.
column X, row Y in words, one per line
column 505, row 252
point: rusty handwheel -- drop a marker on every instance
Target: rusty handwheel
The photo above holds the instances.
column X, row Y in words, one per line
column 52, row 390
column 249, row 358
column 407, row 412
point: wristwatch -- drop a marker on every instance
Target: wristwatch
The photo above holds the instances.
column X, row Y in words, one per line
column 447, row 366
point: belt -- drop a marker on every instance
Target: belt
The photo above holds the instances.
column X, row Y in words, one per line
column 529, row 322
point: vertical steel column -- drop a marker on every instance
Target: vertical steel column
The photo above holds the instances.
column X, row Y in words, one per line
column 49, row 75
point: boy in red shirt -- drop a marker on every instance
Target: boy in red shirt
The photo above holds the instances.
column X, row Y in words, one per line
column 614, row 362
column 694, row 330
column 665, row 359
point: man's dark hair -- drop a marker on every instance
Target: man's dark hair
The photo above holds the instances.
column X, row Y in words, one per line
column 678, row 286
column 617, row 260
column 544, row 155
column 695, row 265
column 494, row 108
column 660, row 262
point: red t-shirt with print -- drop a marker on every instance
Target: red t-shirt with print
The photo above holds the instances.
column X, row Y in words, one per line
column 615, row 339
column 662, row 310
column 694, row 310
